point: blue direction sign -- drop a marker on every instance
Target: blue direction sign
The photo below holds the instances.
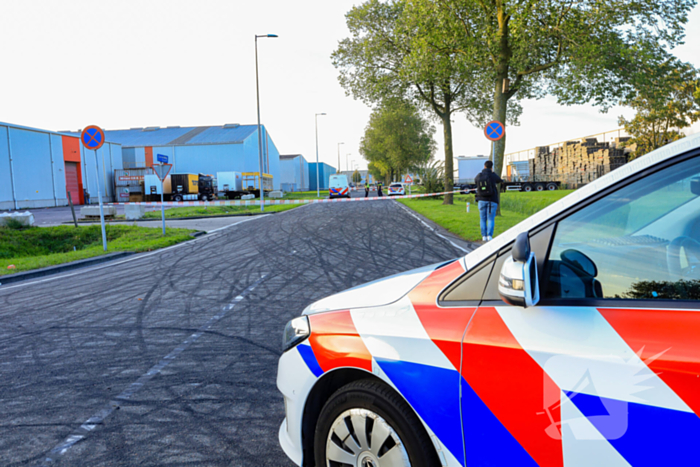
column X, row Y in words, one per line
column 494, row 130
column 92, row 137
column 162, row 158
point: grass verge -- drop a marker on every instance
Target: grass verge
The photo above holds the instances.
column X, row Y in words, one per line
column 39, row 247
column 201, row 211
column 515, row 207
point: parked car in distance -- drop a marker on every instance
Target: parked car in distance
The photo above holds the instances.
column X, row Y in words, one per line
column 571, row 339
column 397, row 189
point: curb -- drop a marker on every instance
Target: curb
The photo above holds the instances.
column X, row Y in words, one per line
column 246, row 214
column 463, row 244
column 21, row 276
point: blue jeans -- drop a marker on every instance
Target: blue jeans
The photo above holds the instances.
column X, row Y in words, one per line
column 487, row 214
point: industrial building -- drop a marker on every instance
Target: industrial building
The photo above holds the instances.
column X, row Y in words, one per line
column 38, row 168
column 202, row 149
column 324, row 172
column 294, row 173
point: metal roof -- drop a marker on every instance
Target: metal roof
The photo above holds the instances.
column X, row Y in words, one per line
column 289, row 156
column 177, row 136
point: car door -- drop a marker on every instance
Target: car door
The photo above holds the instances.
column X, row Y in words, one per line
column 605, row 369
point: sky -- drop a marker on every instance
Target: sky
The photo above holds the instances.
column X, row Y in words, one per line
column 67, row 64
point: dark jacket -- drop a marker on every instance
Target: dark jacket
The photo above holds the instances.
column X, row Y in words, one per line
column 488, row 173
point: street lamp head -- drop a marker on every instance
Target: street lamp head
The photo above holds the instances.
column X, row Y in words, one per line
column 272, row 35
column 265, row 35
column 321, row 114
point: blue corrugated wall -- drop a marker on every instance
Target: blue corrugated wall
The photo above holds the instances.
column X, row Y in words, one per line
column 109, row 158
column 325, row 172
column 294, row 174
column 37, row 170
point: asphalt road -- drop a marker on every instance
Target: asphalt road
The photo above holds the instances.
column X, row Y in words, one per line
column 170, row 358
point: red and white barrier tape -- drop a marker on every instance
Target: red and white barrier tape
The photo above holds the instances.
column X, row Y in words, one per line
column 269, row 202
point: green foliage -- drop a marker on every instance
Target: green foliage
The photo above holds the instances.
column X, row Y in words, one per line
column 387, row 56
column 666, row 105
column 356, row 176
column 664, row 290
column 14, row 224
column 396, row 139
column 432, row 176
column 39, row 247
column 482, row 57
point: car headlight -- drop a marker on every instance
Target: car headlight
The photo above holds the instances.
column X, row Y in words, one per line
column 295, row 332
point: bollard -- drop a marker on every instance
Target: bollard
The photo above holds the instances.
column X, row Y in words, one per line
column 467, row 206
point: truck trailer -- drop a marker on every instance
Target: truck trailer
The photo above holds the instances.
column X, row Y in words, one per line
column 180, row 187
column 230, row 185
column 517, row 177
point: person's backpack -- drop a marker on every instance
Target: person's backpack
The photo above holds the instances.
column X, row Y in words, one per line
column 484, row 187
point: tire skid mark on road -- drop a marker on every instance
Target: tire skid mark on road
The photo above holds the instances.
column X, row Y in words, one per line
column 99, row 417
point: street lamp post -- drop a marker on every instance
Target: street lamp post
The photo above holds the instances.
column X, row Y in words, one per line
column 339, row 156
column 260, row 151
column 318, row 180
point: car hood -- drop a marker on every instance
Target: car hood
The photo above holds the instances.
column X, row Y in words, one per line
column 375, row 293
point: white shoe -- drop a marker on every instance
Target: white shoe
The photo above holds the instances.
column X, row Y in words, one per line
column 488, row 239
column 483, row 239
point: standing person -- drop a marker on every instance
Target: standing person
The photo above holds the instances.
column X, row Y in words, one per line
column 379, row 189
column 487, row 198
column 366, row 189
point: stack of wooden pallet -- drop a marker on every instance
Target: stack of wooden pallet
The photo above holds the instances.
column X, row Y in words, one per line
column 576, row 163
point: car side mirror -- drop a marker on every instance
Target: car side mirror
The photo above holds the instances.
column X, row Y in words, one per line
column 518, row 284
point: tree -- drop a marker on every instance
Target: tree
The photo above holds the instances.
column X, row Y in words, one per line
column 668, row 104
column 356, row 176
column 396, row 139
column 596, row 51
column 383, row 59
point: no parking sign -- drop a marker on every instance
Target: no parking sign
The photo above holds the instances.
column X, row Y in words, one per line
column 92, row 137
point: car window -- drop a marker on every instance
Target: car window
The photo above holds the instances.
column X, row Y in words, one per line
column 639, row 242
column 470, row 288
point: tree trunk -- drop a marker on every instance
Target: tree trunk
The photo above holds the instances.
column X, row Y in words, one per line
column 500, row 102
column 449, row 164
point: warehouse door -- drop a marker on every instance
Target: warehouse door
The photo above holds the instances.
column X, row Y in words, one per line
column 72, row 181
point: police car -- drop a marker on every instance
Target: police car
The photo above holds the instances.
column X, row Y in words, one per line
column 396, row 189
column 573, row 339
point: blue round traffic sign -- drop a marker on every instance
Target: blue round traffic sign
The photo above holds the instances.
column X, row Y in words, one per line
column 92, row 137
column 494, row 130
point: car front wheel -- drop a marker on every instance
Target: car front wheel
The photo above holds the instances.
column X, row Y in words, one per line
column 366, row 424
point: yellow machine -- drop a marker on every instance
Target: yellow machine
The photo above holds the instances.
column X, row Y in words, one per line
column 251, row 182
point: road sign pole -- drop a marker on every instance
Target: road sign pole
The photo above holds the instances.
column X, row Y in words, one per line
column 102, row 212
column 162, row 206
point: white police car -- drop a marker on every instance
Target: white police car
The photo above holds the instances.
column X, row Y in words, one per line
column 572, row 339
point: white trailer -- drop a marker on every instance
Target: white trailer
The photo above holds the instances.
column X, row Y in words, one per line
column 230, row 184
column 468, row 168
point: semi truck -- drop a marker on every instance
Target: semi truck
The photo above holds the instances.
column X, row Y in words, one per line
column 517, row 177
column 180, row 187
